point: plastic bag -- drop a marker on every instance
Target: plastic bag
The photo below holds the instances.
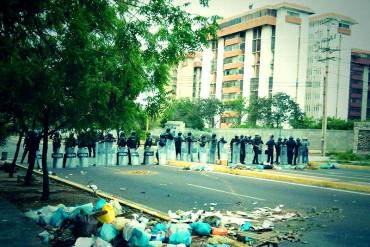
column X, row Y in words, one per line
column 201, row 228
column 116, row 206
column 139, row 238
column 180, row 237
column 120, row 222
column 246, row 226
column 109, row 216
column 129, row 227
column 58, row 217
column 159, row 227
column 219, row 231
column 108, row 232
column 84, row 226
column 84, row 242
column 100, row 203
column 101, row 243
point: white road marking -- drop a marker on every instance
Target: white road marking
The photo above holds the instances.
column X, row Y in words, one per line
column 226, row 192
column 327, row 175
column 284, row 182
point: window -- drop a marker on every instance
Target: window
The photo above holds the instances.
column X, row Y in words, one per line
column 234, row 83
column 232, row 47
column 270, row 86
column 235, row 59
column 273, row 39
column 294, row 14
column 230, row 96
column 214, row 44
column 254, row 87
column 343, row 25
column 233, row 71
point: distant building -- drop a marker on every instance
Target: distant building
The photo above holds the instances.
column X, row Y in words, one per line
column 335, row 28
column 185, row 78
column 257, row 53
column 359, row 86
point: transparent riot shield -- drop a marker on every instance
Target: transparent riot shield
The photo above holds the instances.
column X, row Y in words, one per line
column 249, row 154
column 57, row 160
column 202, row 154
column 261, row 154
column 134, row 157
column 162, row 151
column 122, row 156
column 83, row 157
column 184, row 151
column 148, row 156
column 236, row 153
column 71, row 158
column 110, row 152
column 100, row 154
column 212, row 154
column 194, row 152
column 223, row 152
column 170, row 150
column 300, row 153
column 283, row 155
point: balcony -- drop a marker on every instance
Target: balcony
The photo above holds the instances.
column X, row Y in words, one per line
column 231, row 90
column 293, row 20
column 233, row 77
column 233, row 53
column 355, row 105
column 356, row 77
column 356, row 85
column 234, row 65
column 233, row 41
column 354, row 114
column 356, row 95
column 257, row 22
column 344, row 31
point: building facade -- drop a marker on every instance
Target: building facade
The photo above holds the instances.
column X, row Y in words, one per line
column 328, row 42
column 257, row 54
column 185, row 78
column 359, row 86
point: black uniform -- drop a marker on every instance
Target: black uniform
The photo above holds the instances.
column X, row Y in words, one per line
column 132, row 143
column 56, row 142
column 243, row 141
column 222, row 140
column 270, row 151
column 148, row 144
column 290, row 144
column 178, row 142
column 296, row 150
column 161, row 143
column 189, row 139
column 278, row 149
column 256, row 149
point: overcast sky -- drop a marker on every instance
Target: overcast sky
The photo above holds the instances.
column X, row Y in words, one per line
column 357, row 9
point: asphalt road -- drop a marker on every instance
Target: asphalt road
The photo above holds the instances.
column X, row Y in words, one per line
column 167, row 188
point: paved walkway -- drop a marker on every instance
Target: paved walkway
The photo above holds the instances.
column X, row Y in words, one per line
column 15, row 229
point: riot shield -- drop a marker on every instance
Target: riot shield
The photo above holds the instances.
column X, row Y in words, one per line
column 223, row 152
column 194, row 152
column 100, row 154
column 212, row 154
column 57, row 160
column 122, row 155
column 283, row 155
column 170, row 150
column 148, row 156
column 202, row 154
column 300, row 153
column 134, row 157
column 70, row 158
column 184, row 151
column 236, row 153
column 249, row 154
column 162, row 160
column 110, row 152
column 83, row 157
column 261, row 154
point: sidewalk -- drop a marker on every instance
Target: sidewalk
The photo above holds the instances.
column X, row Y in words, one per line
column 15, row 229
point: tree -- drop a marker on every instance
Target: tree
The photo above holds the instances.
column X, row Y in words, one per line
column 283, row 110
column 209, row 109
column 258, row 110
column 238, row 106
column 84, row 62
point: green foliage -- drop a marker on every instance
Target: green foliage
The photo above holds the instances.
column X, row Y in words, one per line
column 349, row 156
column 333, row 124
column 238, row 106
column 209, row 108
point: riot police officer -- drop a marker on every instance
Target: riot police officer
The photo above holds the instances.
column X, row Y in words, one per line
column 270, row 150
column 222, row 141
column 291, row 144
column 256, row 148
column 243, row 141
column 212, row 149
column 147, row 145
column 132, row 143
column 178, row 141
column 278, row 149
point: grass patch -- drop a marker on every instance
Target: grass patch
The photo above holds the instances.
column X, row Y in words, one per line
column 355, row 159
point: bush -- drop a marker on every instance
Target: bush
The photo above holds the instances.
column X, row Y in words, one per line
column 349, row 156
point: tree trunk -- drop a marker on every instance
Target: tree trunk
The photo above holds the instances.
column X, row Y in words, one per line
column 45, row 173
column 12, row 166
column 147, row 123
column 31, row 164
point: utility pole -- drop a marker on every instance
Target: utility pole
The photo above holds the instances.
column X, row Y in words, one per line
column 327, row 58
column 298, row 60
column 365, row 89
column 338, row 75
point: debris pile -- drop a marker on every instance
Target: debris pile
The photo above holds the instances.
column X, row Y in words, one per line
column 106, row 224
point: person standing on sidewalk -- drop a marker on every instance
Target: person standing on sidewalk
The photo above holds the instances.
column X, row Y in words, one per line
column 278, row 150
column 305, row 144
column 243, row 141
column 132, row 143
column 290, row 149
column 147, row 145
column 178, row 142
column 270, row 150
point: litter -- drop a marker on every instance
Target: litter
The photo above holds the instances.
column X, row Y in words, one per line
column 108, row 232
column 109, row 215
column 219, row 231
column 201, row 228
column 45, row 236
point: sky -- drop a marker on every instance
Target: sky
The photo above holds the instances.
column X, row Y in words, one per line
column 357, row 9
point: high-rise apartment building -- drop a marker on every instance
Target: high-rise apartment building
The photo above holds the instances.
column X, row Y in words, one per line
column 185, row 78
column 359, row 86
column 258, row 53
column 331, row 31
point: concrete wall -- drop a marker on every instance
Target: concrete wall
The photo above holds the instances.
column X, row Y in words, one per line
column 337, row 140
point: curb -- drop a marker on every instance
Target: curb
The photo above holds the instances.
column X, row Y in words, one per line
column 316, row 164
column 299, row 179
column 106, row 195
